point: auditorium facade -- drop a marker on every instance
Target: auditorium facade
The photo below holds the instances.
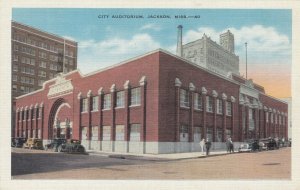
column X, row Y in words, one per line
column 155, row 103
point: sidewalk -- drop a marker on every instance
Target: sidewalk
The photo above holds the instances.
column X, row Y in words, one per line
column 156, row 157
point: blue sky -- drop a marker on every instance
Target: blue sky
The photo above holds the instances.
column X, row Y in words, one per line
column 105, row 41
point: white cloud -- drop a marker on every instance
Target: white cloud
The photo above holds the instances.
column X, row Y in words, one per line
column 264, row 43
column 99, row 54
column 151, row 26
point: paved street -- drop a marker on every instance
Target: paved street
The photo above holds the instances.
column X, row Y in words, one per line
column 39, row 164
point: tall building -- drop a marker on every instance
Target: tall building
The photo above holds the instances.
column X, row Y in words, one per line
column 219, row 58
column 37, row 56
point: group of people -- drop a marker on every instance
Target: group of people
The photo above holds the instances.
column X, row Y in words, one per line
column 207, row 144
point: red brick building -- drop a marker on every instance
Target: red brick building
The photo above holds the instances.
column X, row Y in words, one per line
column 155, row 103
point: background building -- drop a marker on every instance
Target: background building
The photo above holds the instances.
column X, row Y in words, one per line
column 219, row 58
column 38, row 56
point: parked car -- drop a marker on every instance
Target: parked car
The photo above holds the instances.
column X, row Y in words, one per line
column 71, row 146
column 55, row 143
column 271, row 143
column 252, row 145
column 33, row 143
column 245, row 147
column 18, row 142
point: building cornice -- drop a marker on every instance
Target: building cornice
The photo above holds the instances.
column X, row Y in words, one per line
column 39, row 30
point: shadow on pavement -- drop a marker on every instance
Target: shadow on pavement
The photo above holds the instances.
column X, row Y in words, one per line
column 28, row 163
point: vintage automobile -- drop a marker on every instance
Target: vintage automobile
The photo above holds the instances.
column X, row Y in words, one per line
column 18, row 142
column 270, row 143
column 33, row 143
column 71, row 146
column 55, row 143
column 251, row 146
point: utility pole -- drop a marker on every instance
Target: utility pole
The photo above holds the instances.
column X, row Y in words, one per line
column 246, row 59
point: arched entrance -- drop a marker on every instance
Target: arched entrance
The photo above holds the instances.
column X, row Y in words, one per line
column 59, row 123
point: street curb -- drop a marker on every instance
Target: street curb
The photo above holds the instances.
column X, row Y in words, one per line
column 138, row 157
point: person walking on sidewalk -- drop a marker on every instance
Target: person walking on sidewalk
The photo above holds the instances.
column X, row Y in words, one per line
column 202, row 143
column 207, row 146
column 228, row 144
column 231, row 149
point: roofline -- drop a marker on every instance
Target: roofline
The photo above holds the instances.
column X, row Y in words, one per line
column 247, row 79
column 155, row 51
column 200, row 67
column 141, row 56
column 275, row 98
column 52, row 34
column 121, row 63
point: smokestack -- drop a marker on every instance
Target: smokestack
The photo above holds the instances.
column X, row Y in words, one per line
column 179, row 41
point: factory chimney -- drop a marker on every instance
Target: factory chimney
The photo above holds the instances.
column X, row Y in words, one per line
column 179, row 41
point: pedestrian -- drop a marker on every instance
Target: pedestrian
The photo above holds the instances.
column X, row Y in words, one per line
column 202, row 143
column 231, row 148
column 207, row 146
column 228, row 144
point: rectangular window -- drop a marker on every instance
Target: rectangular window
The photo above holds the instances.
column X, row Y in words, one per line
column 120, row 133
column 43, row 64
column 15, row 68
column 184, row 98
column 16, row 58
column 42, row 73
column 219, row 135
column 250, row 114
column 267, row 117
column 197, row 134
column 228, row 108
column 219, row 106
column 135, row 96
column 53, row 66
column 83, row 133
column 41, row 82
column 135, row 132
column 184, row 133
column 15, row 77
column 38, row 114
column 120, row 99
column 209, row 104
column 53, row 58
column 271, row 117
column 39, row 133
column 197, row 101
column 228, row 133
column 14, row 88
column 276, row 118
column 107, row 102
column 51, row 75
column 94, row 133
column 84, row 105
column 106, row 133
column 43, row 55
column 95, row 103
column 279, row 120
column 209, row 133
column 33, row 133
column 27, row 80
column 16, row 47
